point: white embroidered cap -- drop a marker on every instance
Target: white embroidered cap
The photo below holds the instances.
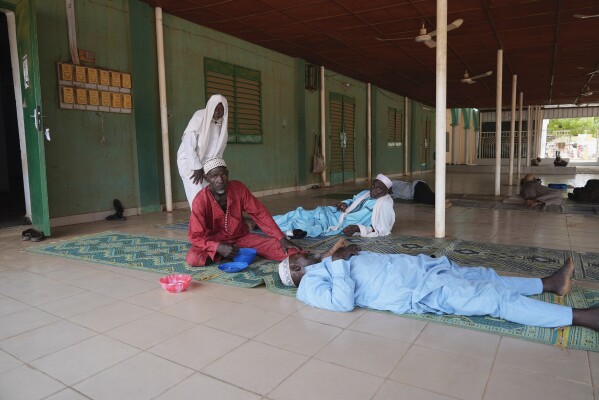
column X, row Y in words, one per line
column 385, row 180
column 214, row 163
column 285, row 273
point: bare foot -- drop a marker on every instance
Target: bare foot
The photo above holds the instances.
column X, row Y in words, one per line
column 340, row 243
column 559, row 282
column 588, row 317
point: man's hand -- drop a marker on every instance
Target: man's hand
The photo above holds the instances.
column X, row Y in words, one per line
column 350, row 230
column 341, row 206
column 287, row 244
column 346, row 252
column 197, row 176
column 227, row 250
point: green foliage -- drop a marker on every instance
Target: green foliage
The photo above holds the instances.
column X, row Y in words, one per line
column 575, row 126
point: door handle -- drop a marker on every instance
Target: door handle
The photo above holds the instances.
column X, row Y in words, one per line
column 37, row 118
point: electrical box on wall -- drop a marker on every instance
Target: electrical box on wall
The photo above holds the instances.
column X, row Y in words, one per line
column 311, row 77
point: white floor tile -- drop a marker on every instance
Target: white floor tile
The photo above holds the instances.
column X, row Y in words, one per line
column 23, row 321
column 110, row 316
column 255, row 367
column 207, row 388
column 25, row 383
column 245, row 321
column 142, row 377
column 84, row 359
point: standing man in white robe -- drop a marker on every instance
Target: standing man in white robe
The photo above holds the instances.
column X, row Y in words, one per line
column 204, row 138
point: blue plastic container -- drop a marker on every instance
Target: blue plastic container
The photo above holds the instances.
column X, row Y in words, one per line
column 233, row 266
column 245, row 254
column 561, row 186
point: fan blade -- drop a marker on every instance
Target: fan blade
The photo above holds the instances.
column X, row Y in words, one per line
column 391, row 39
column 430, row 44
column 585, row 16
column 594, row 72
column 488, row 73
column 450, row 27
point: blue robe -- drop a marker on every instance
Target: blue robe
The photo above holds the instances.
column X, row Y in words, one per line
column 418, row 284
column 316, row 222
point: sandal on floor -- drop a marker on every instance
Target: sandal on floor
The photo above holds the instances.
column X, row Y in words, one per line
column 26, row 234
column 37, row 236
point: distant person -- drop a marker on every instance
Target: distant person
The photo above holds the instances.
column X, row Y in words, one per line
column 559, row 162
column 587, row 194
column 536, row 194
column 205, row 138
column 419, row 191
column 535, row 162
column 369, row 213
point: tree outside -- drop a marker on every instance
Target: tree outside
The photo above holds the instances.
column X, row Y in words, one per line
column 574, row 138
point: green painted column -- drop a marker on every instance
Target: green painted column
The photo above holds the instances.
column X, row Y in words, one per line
column 145, row 106
column 303, row 163
column 374, row 129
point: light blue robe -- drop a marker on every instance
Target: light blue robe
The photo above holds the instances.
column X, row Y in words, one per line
column 316, row 222
column 418, row 284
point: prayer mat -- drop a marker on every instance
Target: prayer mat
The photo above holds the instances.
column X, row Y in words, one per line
column 160, row 255
column 167, row 256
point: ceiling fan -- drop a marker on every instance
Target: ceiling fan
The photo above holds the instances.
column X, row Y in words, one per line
column 588, row 92
column 580, row 16
column 594, row 72
column 470, row 80
column 424, row 37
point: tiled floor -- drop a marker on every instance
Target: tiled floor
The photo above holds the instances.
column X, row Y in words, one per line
column 76, row 330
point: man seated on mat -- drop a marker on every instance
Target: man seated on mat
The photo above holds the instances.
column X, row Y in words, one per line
column 369, row 213
column 418, row 191
column 216, row 225
column 404, row 284
column 536, row 194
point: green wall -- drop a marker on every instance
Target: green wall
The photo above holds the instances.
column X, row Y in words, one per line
column 420, row 112
column 94, row 158
column 386, row 159
column 91, row 157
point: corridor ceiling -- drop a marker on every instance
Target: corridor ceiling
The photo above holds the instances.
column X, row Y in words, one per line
column 552, row 51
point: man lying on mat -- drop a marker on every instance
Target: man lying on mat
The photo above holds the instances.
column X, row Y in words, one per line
column 216, row 225
column 347, row 277
column 369, row 213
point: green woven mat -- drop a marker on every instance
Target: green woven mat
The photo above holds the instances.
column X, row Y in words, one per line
column 167, row 256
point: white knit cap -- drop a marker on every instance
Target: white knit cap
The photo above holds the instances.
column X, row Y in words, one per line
column 213, row 163
column 285, row 273
column 385, row 180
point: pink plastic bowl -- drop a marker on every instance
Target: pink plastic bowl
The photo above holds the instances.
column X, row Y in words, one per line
column 175, row 283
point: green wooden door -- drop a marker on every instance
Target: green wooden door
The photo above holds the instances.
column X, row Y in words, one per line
column 342, row 111
column 32, row 113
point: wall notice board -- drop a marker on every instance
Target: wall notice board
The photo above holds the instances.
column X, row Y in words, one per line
column 94, row 89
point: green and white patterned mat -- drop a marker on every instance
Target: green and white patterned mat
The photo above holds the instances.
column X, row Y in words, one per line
column 167, row 256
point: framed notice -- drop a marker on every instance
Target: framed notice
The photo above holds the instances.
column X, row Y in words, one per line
column 116, row 100
column 92, row 76
column 94, row 97
column 80, row 74
column 67, row 95
column 105, row 99
column 104, row 77
column 127, row 101
column 65, row 72
column 126, row 80
column 81, row 96
column 115, row 79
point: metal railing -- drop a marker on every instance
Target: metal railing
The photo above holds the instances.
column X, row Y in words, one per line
column 486, row 148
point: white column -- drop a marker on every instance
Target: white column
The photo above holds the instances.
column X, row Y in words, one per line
column 512, row 130
column 168, row 193
column 369, row 132
column 528, row 135
column 323, row 127
column 498, row 123
column 467, row 138
column 440, row 118
column 406, row 140
column 520, row 136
